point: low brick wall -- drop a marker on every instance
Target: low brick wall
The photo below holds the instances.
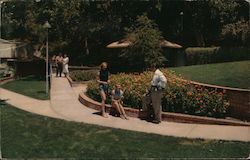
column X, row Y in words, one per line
column 166, row 116
column 5, row 80
column 74, row 84
column 239, row 100
column 239, row 104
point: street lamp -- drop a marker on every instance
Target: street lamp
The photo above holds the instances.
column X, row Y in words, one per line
column 181, row 14
column 47, row 26
column 182, row 33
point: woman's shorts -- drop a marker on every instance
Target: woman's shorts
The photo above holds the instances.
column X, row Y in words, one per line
column 104, row 88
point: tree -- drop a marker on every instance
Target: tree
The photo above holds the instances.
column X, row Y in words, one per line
column 230, row 18
column 145, row 50
column 237, row 32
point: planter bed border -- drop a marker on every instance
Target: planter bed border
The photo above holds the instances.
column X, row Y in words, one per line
column 74, row 83
column 6, row 79
column 166, row 116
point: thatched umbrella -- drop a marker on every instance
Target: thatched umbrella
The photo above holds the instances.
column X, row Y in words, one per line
column 119, row 44
column 125, row 43
column 168, row 44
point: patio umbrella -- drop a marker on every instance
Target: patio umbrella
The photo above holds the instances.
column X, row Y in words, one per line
column 168, row 44
column 125, row 43
column 119, row 44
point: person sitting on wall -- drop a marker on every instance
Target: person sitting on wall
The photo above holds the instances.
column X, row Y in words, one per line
column 116, row 98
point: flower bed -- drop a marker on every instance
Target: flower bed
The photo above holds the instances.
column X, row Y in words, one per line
column 179, row 96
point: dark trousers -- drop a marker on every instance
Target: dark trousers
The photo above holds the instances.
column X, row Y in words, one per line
column 59, row 69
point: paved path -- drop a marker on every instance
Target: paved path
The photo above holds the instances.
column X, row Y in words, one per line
column 64, row 104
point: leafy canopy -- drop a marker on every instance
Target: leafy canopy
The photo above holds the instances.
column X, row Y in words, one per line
column 145, row 50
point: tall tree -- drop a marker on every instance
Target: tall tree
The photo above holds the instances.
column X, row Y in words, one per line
column 233, row 17
column 145, row 50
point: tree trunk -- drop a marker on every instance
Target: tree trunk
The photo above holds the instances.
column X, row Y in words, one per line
column 199, row 38
column 86, row 46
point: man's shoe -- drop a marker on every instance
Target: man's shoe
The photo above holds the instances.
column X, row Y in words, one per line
column 156, row 121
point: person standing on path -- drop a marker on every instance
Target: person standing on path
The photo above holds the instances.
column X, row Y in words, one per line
column 66, row 65
column 59, row 63
column 53, row 62
column 103, row 80
column 158, row 84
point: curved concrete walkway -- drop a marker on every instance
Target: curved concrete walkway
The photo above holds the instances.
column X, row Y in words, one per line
column 64, row 104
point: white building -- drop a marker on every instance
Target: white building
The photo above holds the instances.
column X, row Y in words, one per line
column 12, row 50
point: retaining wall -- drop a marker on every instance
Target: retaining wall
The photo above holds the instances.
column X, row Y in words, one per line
column 6, row 79
column 166, row 116
column 239, row 100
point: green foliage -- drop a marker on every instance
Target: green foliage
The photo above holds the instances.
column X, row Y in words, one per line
column 199, row 55
column 206, row 55
column 25, row 136
column 225, row 10
column 145, row 37
column 84, row 28
column 73, row 23
column 233, row 25
column 237, row 32
column 84, row 75
column 179, row 96
column 6, row 71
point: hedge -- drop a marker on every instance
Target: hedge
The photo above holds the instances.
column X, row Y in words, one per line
column 179, row 96
column 206, row 55
column 83, row 75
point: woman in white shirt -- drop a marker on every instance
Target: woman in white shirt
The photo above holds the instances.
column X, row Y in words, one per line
column 66, row 65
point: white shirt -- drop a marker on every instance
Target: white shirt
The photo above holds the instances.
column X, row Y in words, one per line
column 159, row 80
column 66, row 60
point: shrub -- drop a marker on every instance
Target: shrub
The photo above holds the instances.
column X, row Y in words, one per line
column 206, row 55
column 84, row 75
column 231, row 54
column 145, row 50
column 179, row 96
column 198, row 55
column 7, row 71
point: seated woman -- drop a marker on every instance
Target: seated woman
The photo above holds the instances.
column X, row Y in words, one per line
column 116, row 97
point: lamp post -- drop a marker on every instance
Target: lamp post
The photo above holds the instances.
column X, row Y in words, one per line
column 47, row 26
column 182, row 14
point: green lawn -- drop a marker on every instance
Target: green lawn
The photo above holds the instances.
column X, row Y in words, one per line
column 30, row 86
column 25, row 135
column 231, row 74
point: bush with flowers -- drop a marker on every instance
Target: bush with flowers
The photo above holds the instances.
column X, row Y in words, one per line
column 179, row 96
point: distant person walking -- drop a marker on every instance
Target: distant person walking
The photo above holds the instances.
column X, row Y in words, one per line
column 53, row 63
column 59, row 64
column 66, row 65
column 103, row 80
column 154, row 95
